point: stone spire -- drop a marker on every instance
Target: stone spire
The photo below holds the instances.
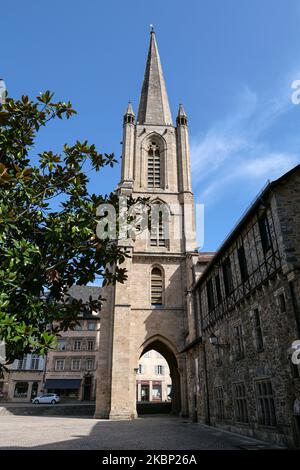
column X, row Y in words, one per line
column 154, row 105
column 181, row 111
column 129, row 109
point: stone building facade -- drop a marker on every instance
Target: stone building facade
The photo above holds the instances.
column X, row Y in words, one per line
column 247, row 315
column 150, row 310
column 70, row 371
column 24, row 380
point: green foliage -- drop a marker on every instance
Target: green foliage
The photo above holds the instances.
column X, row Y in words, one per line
column 44, row 252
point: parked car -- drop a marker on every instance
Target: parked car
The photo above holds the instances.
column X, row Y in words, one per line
column 47, row 398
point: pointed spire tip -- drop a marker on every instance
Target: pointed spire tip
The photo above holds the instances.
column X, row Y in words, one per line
column 181, row 111
column 154, row 104
column 129, row 109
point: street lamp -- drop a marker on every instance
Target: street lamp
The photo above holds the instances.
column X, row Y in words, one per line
column 214, row 340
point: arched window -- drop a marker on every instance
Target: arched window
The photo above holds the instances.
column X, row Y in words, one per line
column 154, row 170
column 159, row 233
column 156, row 287
column 157, row 237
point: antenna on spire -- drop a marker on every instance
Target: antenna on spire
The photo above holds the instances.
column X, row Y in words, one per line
column 151, row 28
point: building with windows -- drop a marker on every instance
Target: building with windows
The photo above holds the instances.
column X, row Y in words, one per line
column 247, row 316
column 151, row 310
column 224, row 323
column 153, row 383
column 24, row 380
column 70, row 370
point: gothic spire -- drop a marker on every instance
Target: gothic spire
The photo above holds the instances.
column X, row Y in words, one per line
column 129, row 109
column 154, row 105
column 181, row 111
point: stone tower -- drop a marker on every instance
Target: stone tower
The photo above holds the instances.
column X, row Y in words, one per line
column 151, row 309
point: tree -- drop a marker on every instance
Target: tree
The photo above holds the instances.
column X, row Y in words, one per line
column 43, row 252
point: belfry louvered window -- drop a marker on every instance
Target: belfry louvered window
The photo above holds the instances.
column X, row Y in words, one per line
column 156, row 287
column 154, row 176
column 157, row 235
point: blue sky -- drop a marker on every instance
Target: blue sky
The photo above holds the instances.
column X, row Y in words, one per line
column 231, row 63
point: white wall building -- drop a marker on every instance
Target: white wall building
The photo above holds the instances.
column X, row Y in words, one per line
column 153, row 382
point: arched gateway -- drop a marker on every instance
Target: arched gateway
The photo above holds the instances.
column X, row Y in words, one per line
column 151, row 309
column 168, row 351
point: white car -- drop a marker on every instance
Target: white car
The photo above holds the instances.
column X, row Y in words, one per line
column 47, row 398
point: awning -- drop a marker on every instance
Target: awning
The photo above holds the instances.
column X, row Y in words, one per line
column 71, row 384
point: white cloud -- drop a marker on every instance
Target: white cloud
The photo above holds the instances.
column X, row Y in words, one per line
column 234, row 150
column 266, row 167
column 270, row 165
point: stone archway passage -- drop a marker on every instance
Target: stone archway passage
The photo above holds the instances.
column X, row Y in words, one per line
column 170, row 357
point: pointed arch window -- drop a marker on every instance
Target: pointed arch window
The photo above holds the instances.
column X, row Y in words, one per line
column 157, row 237
column 154, row 166
column 159, row 225
column 156, row 287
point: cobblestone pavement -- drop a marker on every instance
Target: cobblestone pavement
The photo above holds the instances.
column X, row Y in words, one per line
column 151, row 432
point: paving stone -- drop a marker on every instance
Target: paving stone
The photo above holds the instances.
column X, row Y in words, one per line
column 145, row 433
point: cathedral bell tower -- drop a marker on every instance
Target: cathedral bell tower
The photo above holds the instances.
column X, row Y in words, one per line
column 150, row 310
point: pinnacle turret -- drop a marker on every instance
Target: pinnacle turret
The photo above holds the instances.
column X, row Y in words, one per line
column 129, row 114
column 181, row 116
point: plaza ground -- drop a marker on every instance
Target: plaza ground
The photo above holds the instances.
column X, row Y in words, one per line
column 153, row 432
